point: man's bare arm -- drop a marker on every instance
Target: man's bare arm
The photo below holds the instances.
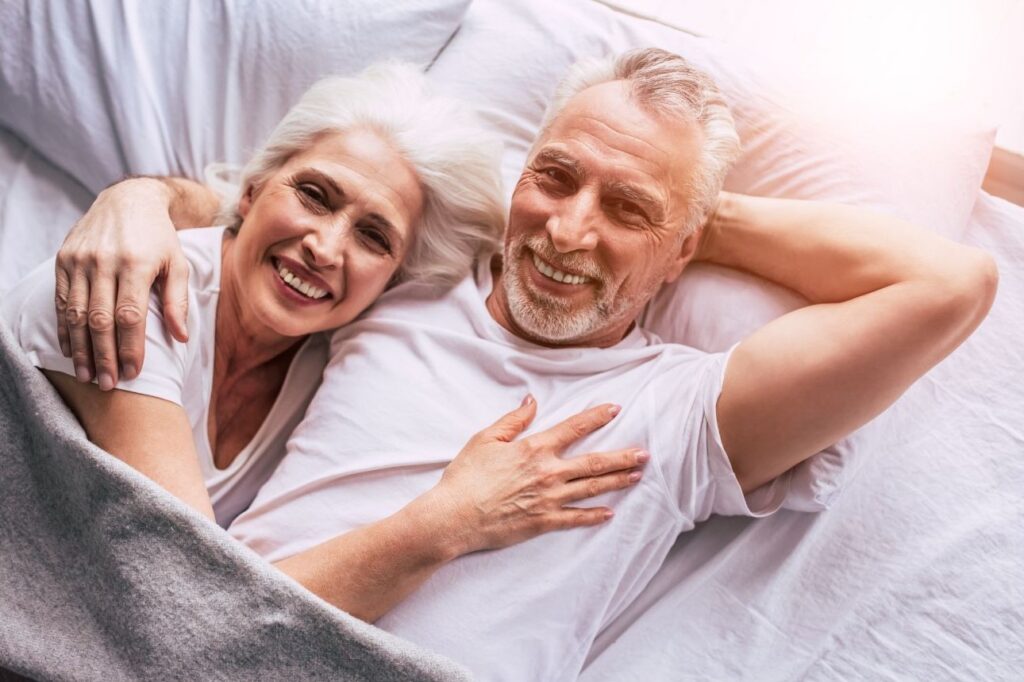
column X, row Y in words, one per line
column 888, row 302
column 111, row 259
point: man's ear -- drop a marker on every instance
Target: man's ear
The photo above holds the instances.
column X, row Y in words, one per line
column 245, row 203
column 687, row 249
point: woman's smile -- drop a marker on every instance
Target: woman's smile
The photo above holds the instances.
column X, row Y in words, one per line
column 296, row 285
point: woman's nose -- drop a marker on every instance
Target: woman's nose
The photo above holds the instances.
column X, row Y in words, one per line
column 324, row 247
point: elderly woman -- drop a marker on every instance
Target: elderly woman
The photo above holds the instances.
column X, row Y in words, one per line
column 367, row 182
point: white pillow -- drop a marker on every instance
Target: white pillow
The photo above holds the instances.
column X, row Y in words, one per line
column 508, row 57
column 105, row 89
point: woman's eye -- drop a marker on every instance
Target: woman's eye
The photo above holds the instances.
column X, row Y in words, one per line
column 376, row 240
column 312, row 193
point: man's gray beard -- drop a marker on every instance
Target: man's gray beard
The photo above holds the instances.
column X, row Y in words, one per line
column 549, row 318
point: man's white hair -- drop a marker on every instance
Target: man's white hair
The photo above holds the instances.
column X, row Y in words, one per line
column 456, row 162
column 665, row 84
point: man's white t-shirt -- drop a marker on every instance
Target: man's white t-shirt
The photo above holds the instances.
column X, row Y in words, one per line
column 183, row 372
column 405, row 389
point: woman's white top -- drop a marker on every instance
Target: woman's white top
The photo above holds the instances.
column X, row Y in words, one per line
column 183, row 372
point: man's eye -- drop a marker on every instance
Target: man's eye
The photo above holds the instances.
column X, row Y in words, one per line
column 627, row 208
column 376, row 240
column 557, row 175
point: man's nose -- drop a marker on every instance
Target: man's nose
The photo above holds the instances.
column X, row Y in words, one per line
column 574, row 226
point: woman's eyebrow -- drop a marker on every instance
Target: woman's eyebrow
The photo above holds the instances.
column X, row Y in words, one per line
column 326, row 179
column 382, row 223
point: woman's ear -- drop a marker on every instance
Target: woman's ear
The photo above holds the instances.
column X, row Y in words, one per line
column 245, row 203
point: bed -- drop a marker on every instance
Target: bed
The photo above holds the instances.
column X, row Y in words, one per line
column 916, row 569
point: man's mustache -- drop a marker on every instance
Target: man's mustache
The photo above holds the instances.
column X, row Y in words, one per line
column 573, row 263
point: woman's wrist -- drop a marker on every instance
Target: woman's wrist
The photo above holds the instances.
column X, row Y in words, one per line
column 434, row 518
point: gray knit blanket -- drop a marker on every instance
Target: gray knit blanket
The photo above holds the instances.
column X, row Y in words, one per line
column 105, row 576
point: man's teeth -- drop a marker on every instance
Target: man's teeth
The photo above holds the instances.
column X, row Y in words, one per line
column 304, row 288
column 557, row 275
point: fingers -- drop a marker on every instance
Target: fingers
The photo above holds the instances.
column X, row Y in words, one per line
column 130, row 318
column 102, row 331
column 575, row 517
column 60, row 304
column 512, row 424
column 563, row 434
column 603, row 463
column 76, row 318
column 583, row 488
column 174, row 298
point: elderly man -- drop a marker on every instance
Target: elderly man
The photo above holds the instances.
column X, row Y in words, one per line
column 620, row 192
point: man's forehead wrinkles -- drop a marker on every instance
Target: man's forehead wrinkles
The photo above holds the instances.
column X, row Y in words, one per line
column 618, row 133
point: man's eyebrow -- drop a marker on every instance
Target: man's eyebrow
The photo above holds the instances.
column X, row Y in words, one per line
column 653, row 207
column 561, row 159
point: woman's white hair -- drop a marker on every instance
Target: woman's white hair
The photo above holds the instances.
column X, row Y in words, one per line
column 455, row 160
column 665, row 84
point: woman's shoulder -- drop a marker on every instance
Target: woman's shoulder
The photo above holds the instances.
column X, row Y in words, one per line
column 202, row 248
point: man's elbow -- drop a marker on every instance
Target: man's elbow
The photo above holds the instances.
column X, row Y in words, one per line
column 981, row 283
column 970, row 289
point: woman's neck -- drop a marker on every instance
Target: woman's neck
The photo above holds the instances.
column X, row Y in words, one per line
column 242, row 342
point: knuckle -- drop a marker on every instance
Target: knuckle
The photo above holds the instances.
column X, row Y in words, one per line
column 128, row 315
column 529, row 449
column 76, row 316
column 130, row 261
column 593, row 466
column 60, row 299
column 547, row 480
column 100, row 320
column 594, row 487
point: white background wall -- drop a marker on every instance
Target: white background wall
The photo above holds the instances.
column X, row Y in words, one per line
column 910, row 55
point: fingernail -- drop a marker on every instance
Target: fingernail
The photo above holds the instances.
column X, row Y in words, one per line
column 635, row 476
column 643, row 456
column 614, row 410
column 608, row 514
column 528, row 400
column 83, row 374
column 106, row 381
column 129, row 371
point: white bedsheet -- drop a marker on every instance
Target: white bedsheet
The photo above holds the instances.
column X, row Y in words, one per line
column 38, row 204
column 916, row 573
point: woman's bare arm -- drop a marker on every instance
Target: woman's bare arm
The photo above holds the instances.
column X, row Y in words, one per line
column 498, row 492
column 110, row 261
column 150, row 434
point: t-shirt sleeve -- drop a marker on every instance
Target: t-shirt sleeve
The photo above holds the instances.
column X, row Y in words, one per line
column 28, row 309
column 702, row 480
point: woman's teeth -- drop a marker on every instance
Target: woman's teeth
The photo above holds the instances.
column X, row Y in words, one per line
column 303, row 288
column 557, row 275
